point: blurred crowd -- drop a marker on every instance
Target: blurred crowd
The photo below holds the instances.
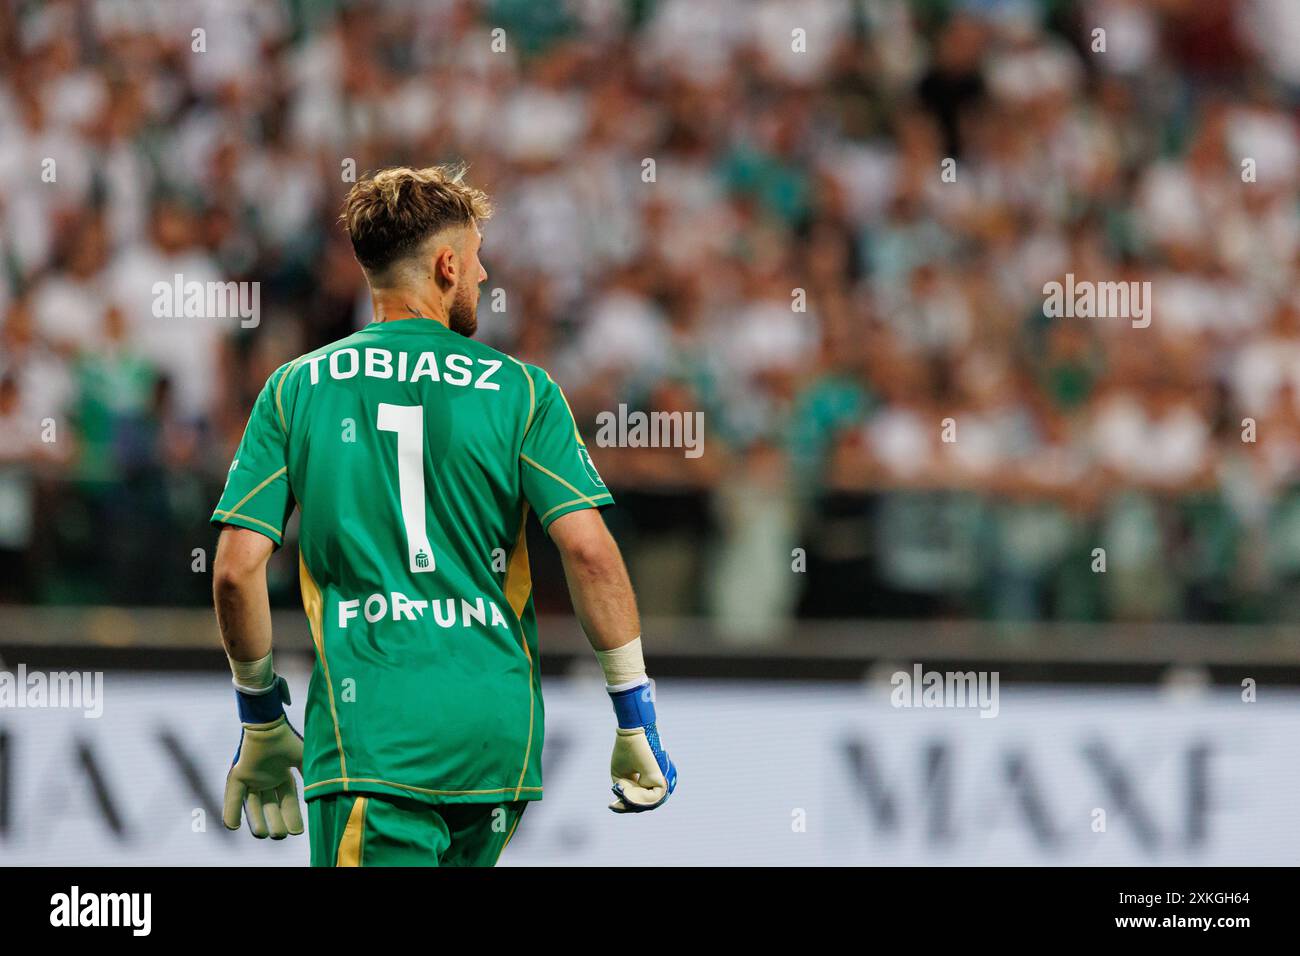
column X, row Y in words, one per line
column 825, row 224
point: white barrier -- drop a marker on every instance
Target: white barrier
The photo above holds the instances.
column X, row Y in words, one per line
column 770, row 774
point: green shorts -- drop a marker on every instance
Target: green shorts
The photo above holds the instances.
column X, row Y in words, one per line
column 351, row 829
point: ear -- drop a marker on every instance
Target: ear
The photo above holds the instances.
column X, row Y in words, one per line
column 446, row 267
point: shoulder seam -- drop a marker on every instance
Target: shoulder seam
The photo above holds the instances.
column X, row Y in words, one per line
column 532, row 394
column 577, row 434
column 279, row 407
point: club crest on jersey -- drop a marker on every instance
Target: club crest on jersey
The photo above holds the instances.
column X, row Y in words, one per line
column 590, row 466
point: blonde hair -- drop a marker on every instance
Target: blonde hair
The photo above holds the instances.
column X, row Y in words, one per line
column 390, row 215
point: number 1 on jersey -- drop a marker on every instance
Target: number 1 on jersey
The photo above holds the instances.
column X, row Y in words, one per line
column 408, row 422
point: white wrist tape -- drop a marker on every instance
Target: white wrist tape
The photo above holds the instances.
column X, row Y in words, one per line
column 624, row 666
column 253, row 677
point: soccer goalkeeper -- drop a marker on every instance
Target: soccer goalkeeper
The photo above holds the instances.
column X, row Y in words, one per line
column 415, row 454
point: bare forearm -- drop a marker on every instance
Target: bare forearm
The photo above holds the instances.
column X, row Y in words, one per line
column 239, row 594
column 603, row 601
column 641, row 773
column 244, row 617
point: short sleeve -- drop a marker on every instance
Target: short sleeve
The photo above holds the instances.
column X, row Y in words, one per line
column 257, row 494
column 557, row 472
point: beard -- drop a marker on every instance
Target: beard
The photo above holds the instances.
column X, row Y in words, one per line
column 463, row 315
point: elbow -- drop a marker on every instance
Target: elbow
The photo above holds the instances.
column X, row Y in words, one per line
column 228, row 579
column 585, row 544
column 593, row 559
column 240, row 561
column 231, row 576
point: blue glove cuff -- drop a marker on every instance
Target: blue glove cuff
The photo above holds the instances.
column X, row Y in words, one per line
column 262, row 708
column 634, row 707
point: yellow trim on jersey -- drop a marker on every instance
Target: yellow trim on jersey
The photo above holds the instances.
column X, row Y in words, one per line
column 518, row 588
column 353, row 843
column 510, row 835
column 532, row 708
column 244, row 500
column 519, row 578
column 546, row 471
column 584, row 500
column 532, row 394
column 567, row 407
column 227, row 515
column 279, row 387
column 313, row 605
column 347, row 781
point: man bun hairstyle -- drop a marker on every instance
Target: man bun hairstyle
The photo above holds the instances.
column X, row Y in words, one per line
column 390, row 214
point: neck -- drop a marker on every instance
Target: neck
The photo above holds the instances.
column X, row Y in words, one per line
column 390, row 305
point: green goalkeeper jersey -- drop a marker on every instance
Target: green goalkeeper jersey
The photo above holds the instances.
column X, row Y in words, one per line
column 414, row 455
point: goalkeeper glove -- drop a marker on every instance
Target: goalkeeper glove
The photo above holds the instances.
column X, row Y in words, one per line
column 260, row 782
column 642, row 774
